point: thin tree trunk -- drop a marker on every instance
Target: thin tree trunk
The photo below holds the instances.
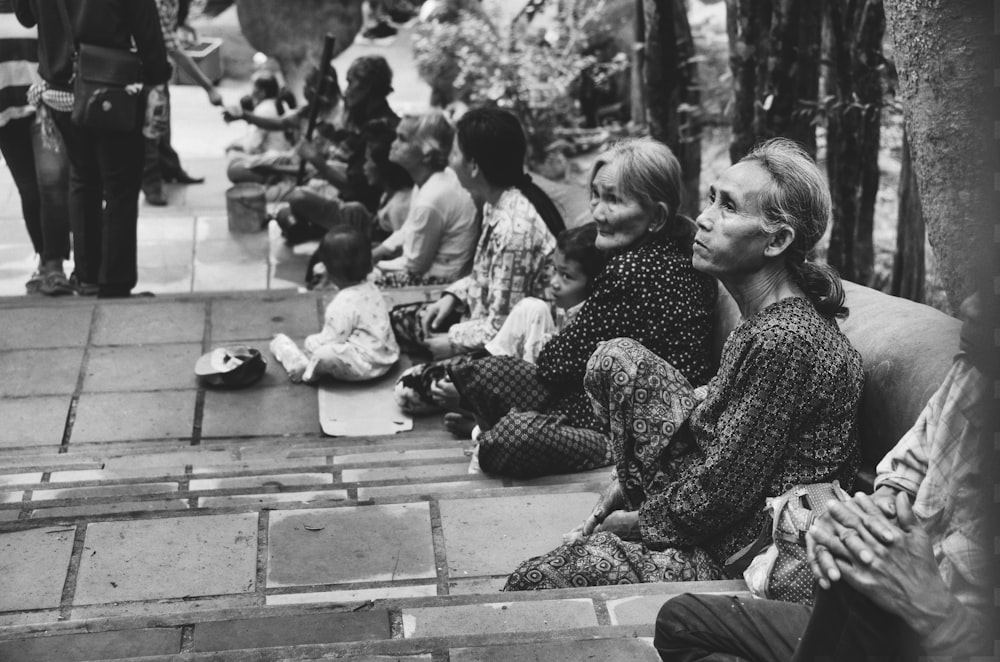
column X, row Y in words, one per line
column 853, row 127
column 774, row 51
column 908, row 269
column 672, row 90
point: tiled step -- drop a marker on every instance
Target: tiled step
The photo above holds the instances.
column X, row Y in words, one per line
column 608, row 623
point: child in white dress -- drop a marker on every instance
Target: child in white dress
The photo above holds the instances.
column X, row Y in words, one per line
column 356, row 342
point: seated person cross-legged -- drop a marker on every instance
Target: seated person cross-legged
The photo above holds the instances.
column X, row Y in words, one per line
column 693, row 466
column 511, row 260
column 903, row 572
column 536, row 419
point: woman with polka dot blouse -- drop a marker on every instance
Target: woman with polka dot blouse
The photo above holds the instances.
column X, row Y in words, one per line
column 693, row 466
column 536, row 419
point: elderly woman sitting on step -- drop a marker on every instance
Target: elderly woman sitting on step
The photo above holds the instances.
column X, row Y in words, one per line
column 536, row 419
column 693, row 466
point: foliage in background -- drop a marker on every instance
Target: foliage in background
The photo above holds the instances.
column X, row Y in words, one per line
column 535, row 75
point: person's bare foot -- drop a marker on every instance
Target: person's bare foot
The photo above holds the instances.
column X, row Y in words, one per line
column 460, row 425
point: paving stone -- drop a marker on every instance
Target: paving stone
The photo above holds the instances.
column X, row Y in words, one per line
column 276, row 464
column 145, row 323
column 499, row 617
column 11, row 497
column 34, row 421
column 39, row 371
column 350, row 544
column 46, row 327
column 420, row 472
column 142, row 367
column 165, row 265
column 89, row 510
column 474, row 585
column 291, row 630
column 456, row 487
column 402, row 455
column 96, row 646
column 261, row 411
column 33, row 565
column 19, row 479
column 276, row 482
column 214, row 274
column 514, row 529
column 168, row 558
column 642, row 609
column 102, row 491
column 151, row 415
column 163, row 607
column 11, row 515
column 608, row 650
column 20, row 619
column 232, row 500
column 354, row 595
column 177, row 228
column 262, row 318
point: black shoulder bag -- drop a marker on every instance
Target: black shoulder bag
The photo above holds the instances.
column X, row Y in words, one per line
column 100, row 78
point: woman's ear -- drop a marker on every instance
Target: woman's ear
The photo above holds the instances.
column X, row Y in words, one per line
column 660, row 217
column 779, row 242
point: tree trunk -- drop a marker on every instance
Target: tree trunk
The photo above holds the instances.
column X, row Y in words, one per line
column 908, row 268
column 774, row 48
column 944, row 54
column 853, row 126
column 672, row 90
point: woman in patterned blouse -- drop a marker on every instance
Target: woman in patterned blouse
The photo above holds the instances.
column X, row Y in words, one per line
column 693, row 466
column 511, row 259
column 536, row 419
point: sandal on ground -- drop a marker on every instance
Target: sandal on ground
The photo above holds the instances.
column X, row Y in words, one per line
column 55, row 284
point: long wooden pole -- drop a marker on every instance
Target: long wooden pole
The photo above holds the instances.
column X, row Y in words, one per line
column 324, row 73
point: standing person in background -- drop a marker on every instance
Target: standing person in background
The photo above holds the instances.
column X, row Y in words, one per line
column 162, row 161
column 40, row 172
column 105, row 166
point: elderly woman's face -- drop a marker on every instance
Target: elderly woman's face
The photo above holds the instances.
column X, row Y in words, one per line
column 731, row 238
column 620, row 222
column 405, row 151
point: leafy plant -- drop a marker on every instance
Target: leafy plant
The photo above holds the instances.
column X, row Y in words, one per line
column 536, row 76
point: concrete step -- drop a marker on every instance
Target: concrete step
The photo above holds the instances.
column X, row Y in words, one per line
column 608, row 623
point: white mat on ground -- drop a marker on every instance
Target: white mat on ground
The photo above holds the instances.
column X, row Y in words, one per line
column 353, row 409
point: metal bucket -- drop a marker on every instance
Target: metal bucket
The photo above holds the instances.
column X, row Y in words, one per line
column 246, row 208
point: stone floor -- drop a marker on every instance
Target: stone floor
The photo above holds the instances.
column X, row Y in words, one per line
column 143, row 516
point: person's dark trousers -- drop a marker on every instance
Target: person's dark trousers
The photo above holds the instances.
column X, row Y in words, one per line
column 161, row 161
column 843, row 626
column 105, row 169
column 15, row 144
column 41, row 175
column 52, row 173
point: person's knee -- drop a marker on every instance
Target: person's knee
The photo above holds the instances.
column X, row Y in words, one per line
column 674, row 620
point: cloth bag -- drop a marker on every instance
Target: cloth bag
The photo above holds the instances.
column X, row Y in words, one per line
column 100, row 97
column 781, row 571
column 101, row 77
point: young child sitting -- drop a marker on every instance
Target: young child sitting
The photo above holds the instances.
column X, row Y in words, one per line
column 577, row 262
column 356, row 342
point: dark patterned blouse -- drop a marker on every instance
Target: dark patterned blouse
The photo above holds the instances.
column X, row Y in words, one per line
column 780, row 411
column 651, row 294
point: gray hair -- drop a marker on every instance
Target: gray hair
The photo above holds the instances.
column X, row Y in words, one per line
column 797, row 197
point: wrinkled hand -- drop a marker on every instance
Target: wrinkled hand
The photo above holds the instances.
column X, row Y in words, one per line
column 435, row 314
column 622, row 523
column 851, row 531
column 903, row 577
column 612, row 500
column 445, row 394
